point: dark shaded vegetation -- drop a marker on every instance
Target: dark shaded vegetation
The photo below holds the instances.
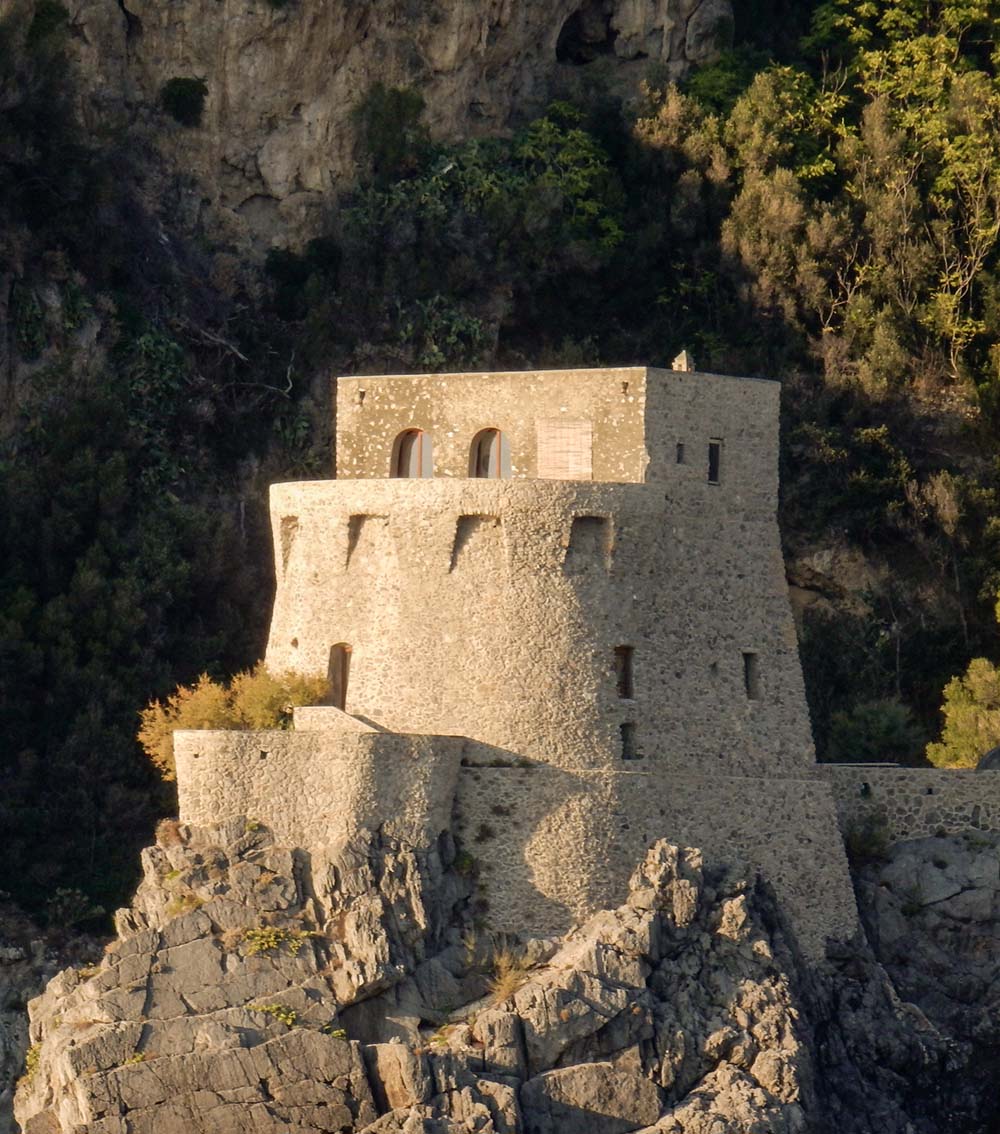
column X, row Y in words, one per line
column 820, row 205
column 134, row 536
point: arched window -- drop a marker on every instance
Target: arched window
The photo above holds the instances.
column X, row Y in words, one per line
column 490, row 454
column 337, row 674
column 413, row 454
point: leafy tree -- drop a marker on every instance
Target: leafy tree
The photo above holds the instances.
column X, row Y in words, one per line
column 391, row 133
column 971, row 712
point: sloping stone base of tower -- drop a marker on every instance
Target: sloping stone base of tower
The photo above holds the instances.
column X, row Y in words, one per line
column 550, row 846
column 553, row 846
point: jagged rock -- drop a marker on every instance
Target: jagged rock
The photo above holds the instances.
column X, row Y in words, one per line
column 932, row 913
column 399, row 1075
column 687, row 1010
column 726, row 1100
column 29, row 958
column 216, row 1008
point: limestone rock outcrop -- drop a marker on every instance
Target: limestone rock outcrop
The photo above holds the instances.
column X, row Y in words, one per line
column 217, row 1006
column 277, row 138
column 252, row 988
column 931, row 910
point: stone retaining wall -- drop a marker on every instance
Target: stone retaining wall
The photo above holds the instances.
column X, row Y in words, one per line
column 915, row 802
column 552, row 846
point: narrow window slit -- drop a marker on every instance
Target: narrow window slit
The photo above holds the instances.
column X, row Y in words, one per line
column 714, row 461
column 751, row 675
column 338, row 672
column 623, row 672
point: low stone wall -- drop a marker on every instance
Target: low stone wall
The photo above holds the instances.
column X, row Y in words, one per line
column 915, row 802
column 553, row 846
column 311, row 787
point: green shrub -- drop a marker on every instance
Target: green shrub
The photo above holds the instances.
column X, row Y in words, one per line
column 69, row 907
column 184, row 99
column 281, row 1012
column 32, row 1061
column 389, row 127
column 269, row 939
column 29, row 322
column 49, row 19
column 254, row 699
column 875, row 731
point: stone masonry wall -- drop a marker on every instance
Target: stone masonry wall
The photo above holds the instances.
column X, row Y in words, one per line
column 915, row 802
column 312, row 788
column 453, row 408
column 553, row 846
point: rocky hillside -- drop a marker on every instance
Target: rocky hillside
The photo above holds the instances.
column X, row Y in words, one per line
column 277, row 140
column 251, row 989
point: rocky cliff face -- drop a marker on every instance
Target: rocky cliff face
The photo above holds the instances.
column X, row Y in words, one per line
column 251, row 989
column 29, row 958
column 277, row 139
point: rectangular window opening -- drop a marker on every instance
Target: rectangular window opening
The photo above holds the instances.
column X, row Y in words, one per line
column 623, row 672
column 629, row 750
column 714, row 461
column 680, row 452
column 751, row 675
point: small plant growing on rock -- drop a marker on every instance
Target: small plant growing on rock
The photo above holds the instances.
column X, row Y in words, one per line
column 510, row 971
column 32, row 1060
column 269, row 939
column 281, row 1012
column 184, row 99
column 183, row 904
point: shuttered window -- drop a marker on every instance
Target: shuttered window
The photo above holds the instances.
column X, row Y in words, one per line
column 565, row 449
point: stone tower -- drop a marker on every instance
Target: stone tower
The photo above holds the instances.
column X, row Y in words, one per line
column 553, row 613
column 610, row 589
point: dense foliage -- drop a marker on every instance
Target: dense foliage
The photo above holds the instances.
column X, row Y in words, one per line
column 822, row 205
column 133, row 535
